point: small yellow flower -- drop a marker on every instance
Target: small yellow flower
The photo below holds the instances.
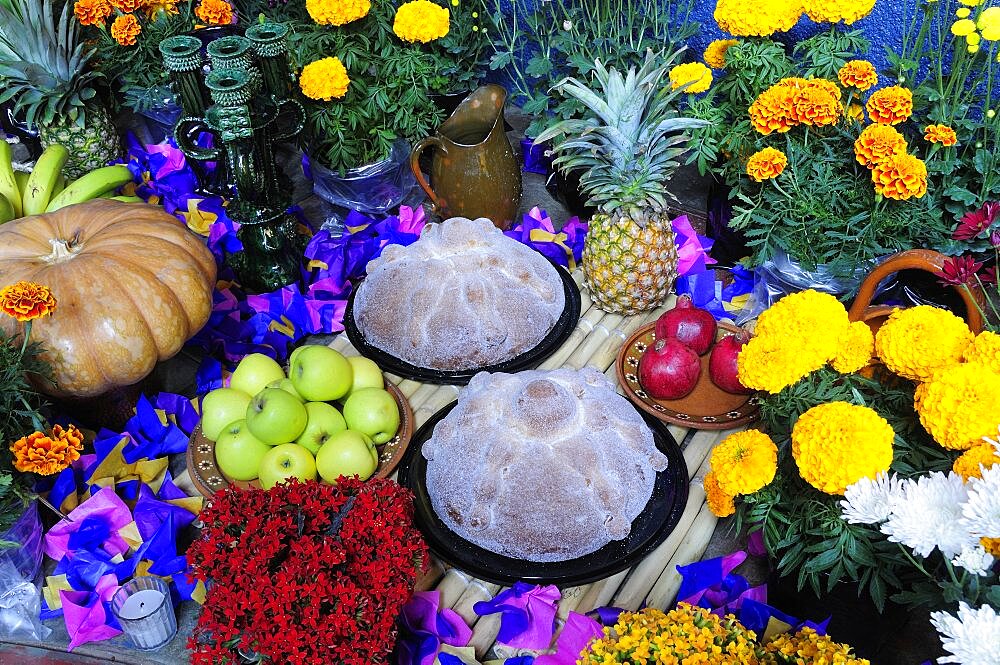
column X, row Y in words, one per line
column 92, row 12
column 942, row 134
column 857, row 347
column 421, row 21
column 963, row 12
column 835, row 11
column 989, row 24
column 324, row 79
column 715, row 53
column 744, row 462
column 963, row 27
column 767, row 163
column 877, row 143
column 696, row 76
column 859, row 74
column 757, row 18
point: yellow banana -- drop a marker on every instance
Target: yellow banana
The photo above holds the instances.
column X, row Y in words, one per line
column 22, row 181
column 127, row 199
column 91, row 186
column 8, row 183
column 6, row 210
column 43, row 178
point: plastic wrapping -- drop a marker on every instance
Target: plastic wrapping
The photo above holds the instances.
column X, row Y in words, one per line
column 375, row 189
column 20, row 599
column 783, row 275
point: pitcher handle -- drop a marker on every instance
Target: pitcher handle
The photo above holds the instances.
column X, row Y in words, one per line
column 423, row 144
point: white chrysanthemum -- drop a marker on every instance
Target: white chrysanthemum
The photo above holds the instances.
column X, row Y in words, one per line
column 981, row 513
column 973, row 637
column 926, row 514
column 975, row 560
column 869, row 501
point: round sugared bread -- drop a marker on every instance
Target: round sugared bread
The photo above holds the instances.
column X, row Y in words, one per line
column 463, row 296
column 541, row 466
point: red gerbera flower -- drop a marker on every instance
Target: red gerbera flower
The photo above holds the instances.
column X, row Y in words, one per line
column 989, row 275
column 959, row 270
column 975, row 222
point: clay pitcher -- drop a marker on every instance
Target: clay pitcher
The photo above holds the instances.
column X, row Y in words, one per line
column 474, row 170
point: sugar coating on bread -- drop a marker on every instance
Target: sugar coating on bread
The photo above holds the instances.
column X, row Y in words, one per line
column 463, row 296
column 541, row 465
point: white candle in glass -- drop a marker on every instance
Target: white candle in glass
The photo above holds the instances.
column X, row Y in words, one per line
column 141, row 604
column 145, row 612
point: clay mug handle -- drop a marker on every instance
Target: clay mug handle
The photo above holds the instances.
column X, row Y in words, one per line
column 915, row 259
column 423, row 144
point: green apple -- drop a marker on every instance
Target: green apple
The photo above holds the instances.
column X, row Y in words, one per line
column 239, row 452
column 366, row 374
column 275, row 416
column 286, row 385
column 373, row 411
column 319, row 373
column 289, row 460
column 221, row 407
column 324, row 421
column 254, row 372
column 347, row 453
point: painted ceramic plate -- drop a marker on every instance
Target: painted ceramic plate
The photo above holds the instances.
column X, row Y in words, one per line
column 707, row 407
column 209, row 479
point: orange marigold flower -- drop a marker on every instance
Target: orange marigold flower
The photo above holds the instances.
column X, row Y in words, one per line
column 796, row 101
column 900, row 177
column 719, row 502
column 765, row 164
column 92, row 12
column 815, row 104
column 942, row 134
column 858, row 74
column 128, row 6
column 125, row 29
column 215, row 12
column 47, row 454
column 890, row 106
column 991, row 545
column 773, row 110
column 26, row 301
column 878, row 142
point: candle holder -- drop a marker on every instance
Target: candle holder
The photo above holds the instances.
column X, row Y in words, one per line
column 145, row 612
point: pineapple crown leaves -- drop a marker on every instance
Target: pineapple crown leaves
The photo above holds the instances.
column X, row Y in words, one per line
column 43, row 63
column 629, row 143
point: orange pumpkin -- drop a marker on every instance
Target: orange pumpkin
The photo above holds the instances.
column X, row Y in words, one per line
column 132, row 285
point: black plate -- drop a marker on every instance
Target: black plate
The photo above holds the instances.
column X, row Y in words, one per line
column 649, row 529
column 530, row 359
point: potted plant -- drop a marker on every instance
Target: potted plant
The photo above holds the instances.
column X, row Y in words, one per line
column 44, row 65
column 627, row 146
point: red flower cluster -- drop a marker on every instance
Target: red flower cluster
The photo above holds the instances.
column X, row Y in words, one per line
column 306, row 573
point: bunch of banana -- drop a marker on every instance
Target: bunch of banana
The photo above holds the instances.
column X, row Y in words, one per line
column 45, row 189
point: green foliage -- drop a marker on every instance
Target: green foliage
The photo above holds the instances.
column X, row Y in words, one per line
column 391, row 81
column 43, row 63
column 824, row 54
column 540, row 44
column 802, row 527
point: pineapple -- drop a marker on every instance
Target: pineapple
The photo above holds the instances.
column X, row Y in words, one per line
column 627, row 148
column 43, row 68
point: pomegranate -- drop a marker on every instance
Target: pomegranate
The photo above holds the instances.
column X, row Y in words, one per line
column 722, row 363
column 669, row 369
column 689, row 324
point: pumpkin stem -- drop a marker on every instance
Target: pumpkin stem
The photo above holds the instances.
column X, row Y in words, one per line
column 62, row 250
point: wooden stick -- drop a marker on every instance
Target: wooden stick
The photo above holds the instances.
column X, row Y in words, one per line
column 594, row 340
column 452, row 586
column 583, row 328
column 435, row 403
column 475, row 592
column 692, row 549
column 485, row 634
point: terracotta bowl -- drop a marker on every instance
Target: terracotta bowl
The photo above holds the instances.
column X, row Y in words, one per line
column 707, row 407
column 209, row 479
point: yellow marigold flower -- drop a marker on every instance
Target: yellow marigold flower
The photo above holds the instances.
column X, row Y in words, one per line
column 694, row 73
column 917, row 341
column 900, row 177
column 324, row 79
column 92, row 12
column 215, row 12
column 963, row 27
column 837, row 444
column 128, row 6
column 125, row 29
column 985, row 349
column 421, row 21
column 856, row 111
column 963, row 12
column 720, row 503
column 835, row 11
column 942, row 134
column 26, row 301
column 337, row 12
column 971, row 3
column 991, row 545
column 808, row 646
column 715, row 53
column 890, row 106
column 960, row 405
column 877, row 143
column 989, row 24
column 980, row 455
column 814, row 322
column 858, row 74
column 771, row 365
column 766, row 163
column 47, row 454
column 757, row 18
column 857, row 346
column 744, row 462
